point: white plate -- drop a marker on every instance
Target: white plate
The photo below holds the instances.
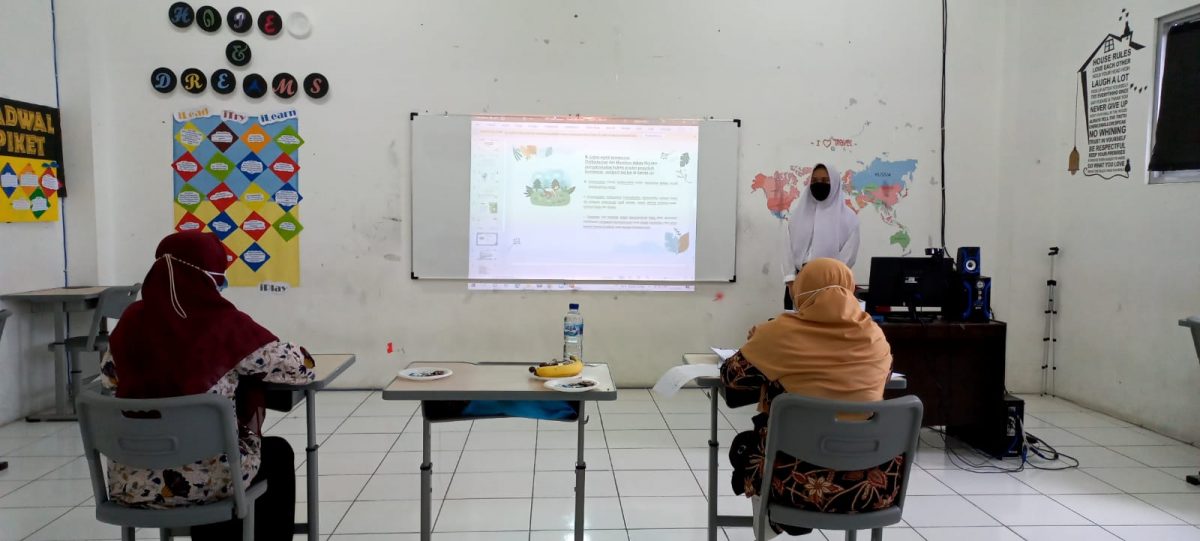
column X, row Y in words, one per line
column 425, row 373
column 568, row 385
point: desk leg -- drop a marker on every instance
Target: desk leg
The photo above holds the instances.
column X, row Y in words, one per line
column 314, row 500
column 64, row 408
column 426, row 480
column 713, row 448
column 580, row 476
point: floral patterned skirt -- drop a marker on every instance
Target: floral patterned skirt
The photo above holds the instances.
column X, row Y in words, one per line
column 812, row 488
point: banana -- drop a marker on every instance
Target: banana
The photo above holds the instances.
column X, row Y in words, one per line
column 558, row 369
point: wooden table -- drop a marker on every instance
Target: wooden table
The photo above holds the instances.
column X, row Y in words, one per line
column 328, row 368
column 60, row 301
column 496, row 381
column 716, row 390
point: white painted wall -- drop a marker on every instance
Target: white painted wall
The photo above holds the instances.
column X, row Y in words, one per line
column 789, row 70
column 32, row 256
column 1131, row 257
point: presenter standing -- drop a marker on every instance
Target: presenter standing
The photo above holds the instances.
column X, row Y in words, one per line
column 820, row 225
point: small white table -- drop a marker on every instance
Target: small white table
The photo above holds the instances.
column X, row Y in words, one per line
column 496, row 381
column 328, row 367
column 61, row 301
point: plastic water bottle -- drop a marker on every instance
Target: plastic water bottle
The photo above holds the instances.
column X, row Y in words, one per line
column 573, row 333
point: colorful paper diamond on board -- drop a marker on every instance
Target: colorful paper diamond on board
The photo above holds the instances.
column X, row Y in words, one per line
column 8, row 180
column 222, row 137
column 28, row 179
column 38, row 203
column 254, row 197
column 255, row 257
column 221, row 197
column 284, row 167
column 255, row 226
column 251, row 166
column 189, row 197
column 190, row 223
column 190, row 137
column 186, row 166
column 219, row 166
column 49, row 181
column 256, row 138
column 287, row 197
column 230, row 257
column 288, row 226
column 222, row 225
column 288, row 140
column 19, row 200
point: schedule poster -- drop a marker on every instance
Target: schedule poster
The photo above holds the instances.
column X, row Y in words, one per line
column 30, row 162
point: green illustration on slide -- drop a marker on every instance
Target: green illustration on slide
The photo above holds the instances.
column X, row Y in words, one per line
column 550, row 189
column 529, row 152
column 676, row 242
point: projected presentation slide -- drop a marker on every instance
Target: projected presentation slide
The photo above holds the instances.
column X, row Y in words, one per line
column 583, row 199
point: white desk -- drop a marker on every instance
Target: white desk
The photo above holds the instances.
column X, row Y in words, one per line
column 496, row 381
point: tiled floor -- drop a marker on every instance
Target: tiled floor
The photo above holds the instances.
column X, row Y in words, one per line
column 512, row 479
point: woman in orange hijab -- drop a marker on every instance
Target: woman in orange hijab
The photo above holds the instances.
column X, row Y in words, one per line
column 827, row 348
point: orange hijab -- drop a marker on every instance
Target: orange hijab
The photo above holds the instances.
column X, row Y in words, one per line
column 829, row 347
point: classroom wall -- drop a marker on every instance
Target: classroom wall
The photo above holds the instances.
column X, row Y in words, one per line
column 795, row 73
column 1130, row 256
column 32, row 257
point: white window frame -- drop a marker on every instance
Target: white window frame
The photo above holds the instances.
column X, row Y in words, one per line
column 1162, row 26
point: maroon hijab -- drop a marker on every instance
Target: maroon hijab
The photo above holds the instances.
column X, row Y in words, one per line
column 183, row 336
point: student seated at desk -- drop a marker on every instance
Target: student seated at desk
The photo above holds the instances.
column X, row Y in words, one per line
column 183, row 338
column 828, row 348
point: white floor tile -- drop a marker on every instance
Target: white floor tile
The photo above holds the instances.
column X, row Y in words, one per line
column 57, row 493
column 505, row 425
column 79, row 523
column 403, row 486
column 18, row 523
column 65, row 443
column 1184, row 506
column 20, row 429
column 377, row 407
column 640, row 439
column 1094, row 457
column 561, row 484
column 410, row 462
column 698, row 439
column 564, row 459
column 629, row 406
column 657, row 483
column 594, row 424
column 1142, row 480
column 333, row 488
column 325, row 410
column 475, row 536
column 1028, row 510
column 552, row 439
column 697, row 459
column 569, row 535
column 724, row 482
column 331, row 514
column 1043, row 404
column 497, row 461
column 381, row 517
column 987, row 533
column 1117, row 510
column 438, row 441
column 1060, row 437
column 1064, row 482
column 75, row 469
column 1122, row 436
column 559, row 514
column 929, row 511
column 695, row 421
column 30, row 468
column 692, row 534
column 634, row 421
column 372, row 425
column 1156, row 533
column 299, row 426
column 359, row 443
column 6, row 487
column 483, row 515
column 1163, row 456
column 348, row 463
column 495, row 441
column 647, row 459
column 491, row 485
column 1064, row 533
column 889, row 534
column 967, row 483
column 665, row 513
column 11, row 444
column 417, row 426
column 1080, row 419
column 1181, row 473
column 685, row 401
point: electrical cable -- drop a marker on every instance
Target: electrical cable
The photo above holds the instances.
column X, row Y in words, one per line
column 943, row 126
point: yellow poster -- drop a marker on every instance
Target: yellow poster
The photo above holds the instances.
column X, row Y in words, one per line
column 237, row 176
column 30, row 158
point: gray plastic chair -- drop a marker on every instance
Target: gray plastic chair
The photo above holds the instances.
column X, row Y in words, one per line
column 808, row 429
column 112, row 303
column 164, row 433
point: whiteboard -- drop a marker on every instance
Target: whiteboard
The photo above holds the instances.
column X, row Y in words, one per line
column 441, row 184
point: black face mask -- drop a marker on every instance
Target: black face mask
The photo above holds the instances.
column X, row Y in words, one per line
column 820, row 190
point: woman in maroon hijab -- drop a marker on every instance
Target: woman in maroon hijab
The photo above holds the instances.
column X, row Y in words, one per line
column 183, row 338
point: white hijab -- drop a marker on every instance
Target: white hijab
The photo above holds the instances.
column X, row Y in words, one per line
column 823, row 228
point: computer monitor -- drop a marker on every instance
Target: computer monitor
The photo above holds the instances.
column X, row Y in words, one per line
column 913, row 282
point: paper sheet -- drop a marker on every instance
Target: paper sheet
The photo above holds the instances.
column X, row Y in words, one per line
column 675, row 378
column 724, row 354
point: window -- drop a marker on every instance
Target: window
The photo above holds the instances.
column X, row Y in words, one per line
column 1175, row 133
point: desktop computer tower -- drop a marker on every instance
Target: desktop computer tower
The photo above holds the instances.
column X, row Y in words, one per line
column 1000, row 435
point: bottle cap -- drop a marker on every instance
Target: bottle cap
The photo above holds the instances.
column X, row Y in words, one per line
column 574, row 306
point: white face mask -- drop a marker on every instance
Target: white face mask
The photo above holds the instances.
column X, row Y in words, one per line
column 813, row 295
column 220, row 285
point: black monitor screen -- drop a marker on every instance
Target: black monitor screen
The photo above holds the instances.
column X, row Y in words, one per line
column 915, row 282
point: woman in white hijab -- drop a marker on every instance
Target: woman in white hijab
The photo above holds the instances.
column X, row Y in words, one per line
column 819, row 225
